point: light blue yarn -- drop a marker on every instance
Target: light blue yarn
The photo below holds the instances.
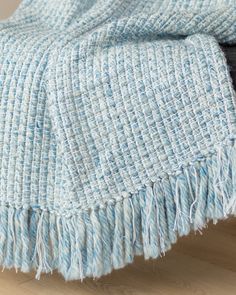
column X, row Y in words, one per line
column 117, row 130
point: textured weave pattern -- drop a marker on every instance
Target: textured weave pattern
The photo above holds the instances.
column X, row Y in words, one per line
column 117, row 129
column 139, row 112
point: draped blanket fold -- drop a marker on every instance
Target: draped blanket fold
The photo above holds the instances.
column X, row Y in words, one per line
column 117, row 130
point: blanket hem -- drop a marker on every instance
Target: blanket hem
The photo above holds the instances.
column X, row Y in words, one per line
column 93, row 243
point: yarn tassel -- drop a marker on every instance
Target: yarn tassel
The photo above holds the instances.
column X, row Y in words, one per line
column 17, row 239
column 106, row 241
column 24, row 236
column 11, row 242
column 118, row 250
column 98, row 258
column 137, row 227
column 89, row 244
column 129, row 231
column 95, row 241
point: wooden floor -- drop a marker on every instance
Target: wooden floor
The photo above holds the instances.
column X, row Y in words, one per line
column 7, row 7
column 197, row 265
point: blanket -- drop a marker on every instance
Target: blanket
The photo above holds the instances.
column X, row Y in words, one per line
column 117, row 130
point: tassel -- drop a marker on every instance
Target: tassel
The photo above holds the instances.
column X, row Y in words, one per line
column 118, row 238
column 96, row 240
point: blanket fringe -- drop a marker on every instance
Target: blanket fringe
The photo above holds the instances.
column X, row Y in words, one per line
column 95, row 241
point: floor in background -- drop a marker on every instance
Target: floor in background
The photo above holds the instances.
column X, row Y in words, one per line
column 196, row 265
column 7, row 7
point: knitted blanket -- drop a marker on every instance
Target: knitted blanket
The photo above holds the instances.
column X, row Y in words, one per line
column 117, row 130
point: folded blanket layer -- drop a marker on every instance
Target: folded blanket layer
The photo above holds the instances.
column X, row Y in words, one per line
column 117, row 130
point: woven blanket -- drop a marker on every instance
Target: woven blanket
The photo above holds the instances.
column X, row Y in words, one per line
column 117, row 130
